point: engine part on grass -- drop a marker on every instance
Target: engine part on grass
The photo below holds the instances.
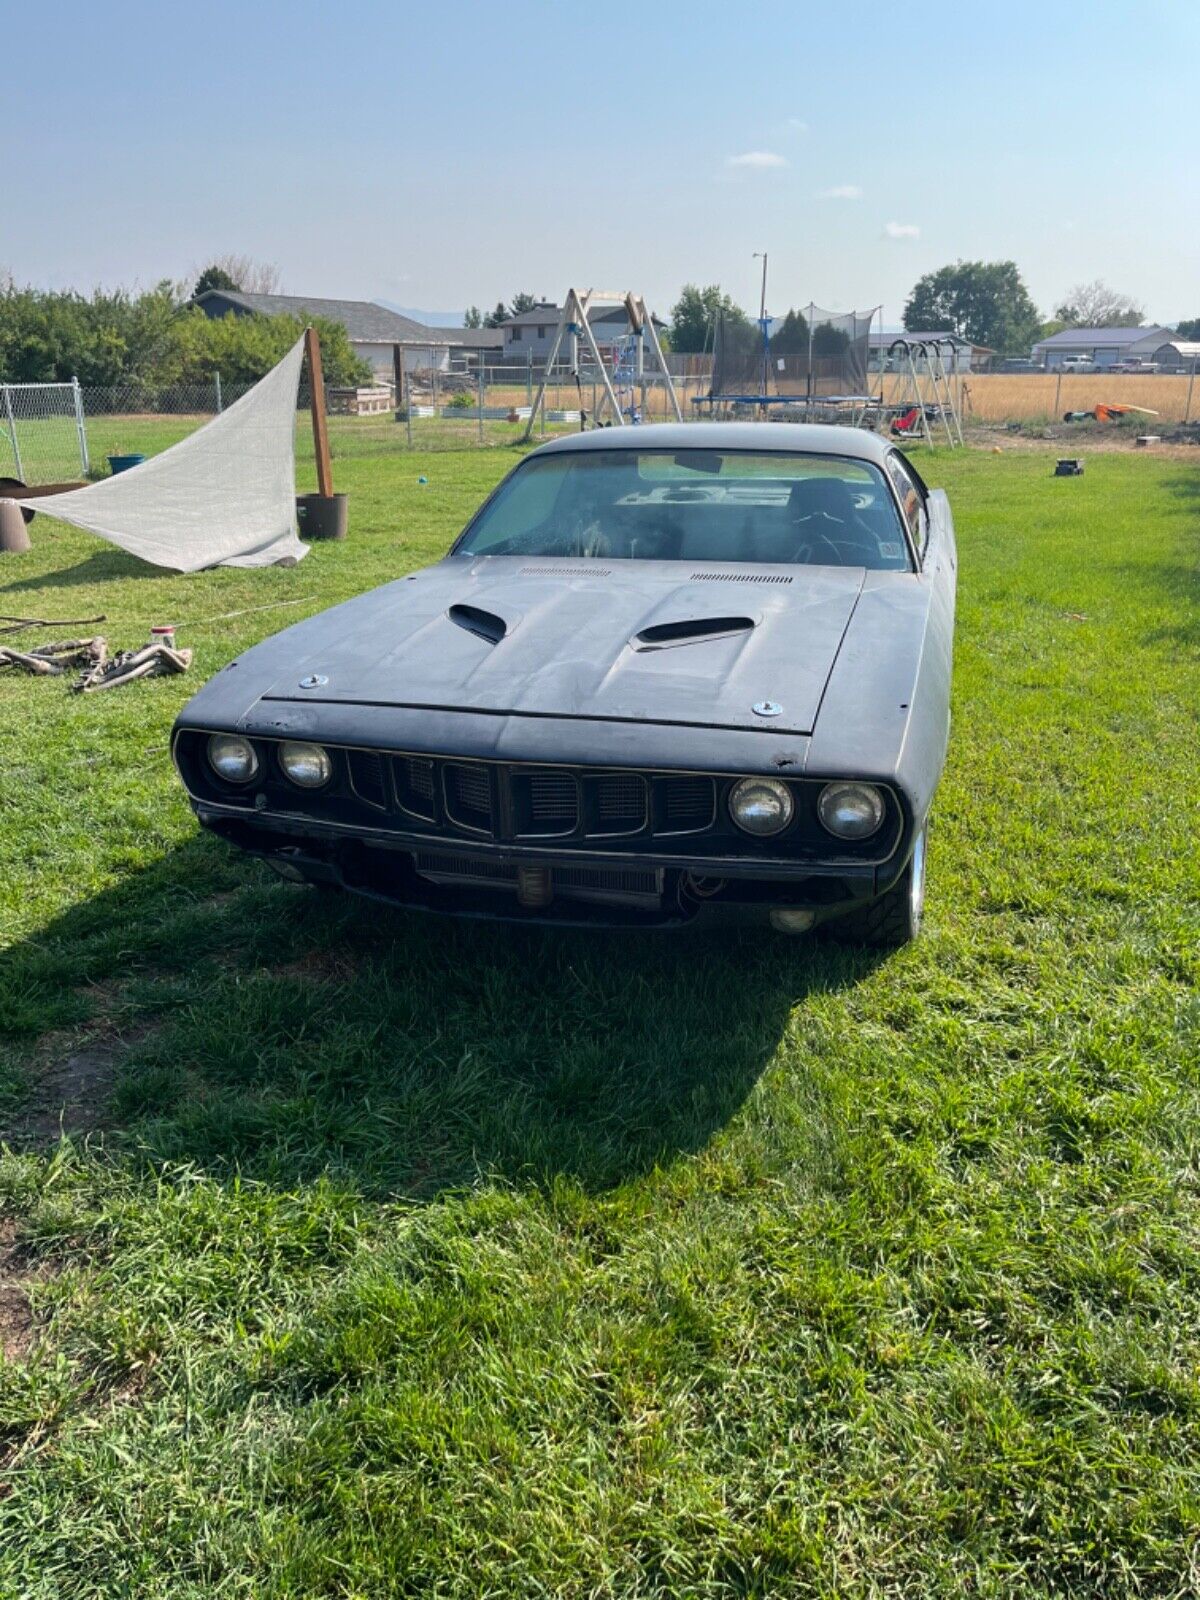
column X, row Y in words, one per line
column 1068, row 467
column 151, row 661
column 52, row 660
column 14, row 535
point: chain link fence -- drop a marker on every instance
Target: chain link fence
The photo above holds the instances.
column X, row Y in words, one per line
column 62, row 432
column 43, row 438
column 54, row 433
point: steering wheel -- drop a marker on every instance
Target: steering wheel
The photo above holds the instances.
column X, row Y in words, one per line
column 837, row 535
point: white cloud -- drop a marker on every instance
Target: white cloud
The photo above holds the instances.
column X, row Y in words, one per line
column 901, row 230
column 841, row 191
column 796, row 125
column 757, row 159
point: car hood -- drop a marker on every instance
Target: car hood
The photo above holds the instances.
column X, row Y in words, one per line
column 632, row 641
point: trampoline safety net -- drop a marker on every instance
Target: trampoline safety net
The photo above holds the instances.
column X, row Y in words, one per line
column 809, row 354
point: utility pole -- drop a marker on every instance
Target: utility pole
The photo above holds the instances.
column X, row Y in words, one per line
column 762, row 316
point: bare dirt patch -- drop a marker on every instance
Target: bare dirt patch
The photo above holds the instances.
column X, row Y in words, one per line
column 72, row 1076
column 17, row 1326
column 69, row 1098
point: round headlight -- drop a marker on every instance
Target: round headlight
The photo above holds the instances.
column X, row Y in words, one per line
column 307, row 765
column 232, row 758
column 761, row 806
column 850, row 810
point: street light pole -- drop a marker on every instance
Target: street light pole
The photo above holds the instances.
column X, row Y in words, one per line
column 762, row 316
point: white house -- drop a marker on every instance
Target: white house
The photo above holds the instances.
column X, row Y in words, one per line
column 371, row 329
column 530, row 335
column 1105, row 347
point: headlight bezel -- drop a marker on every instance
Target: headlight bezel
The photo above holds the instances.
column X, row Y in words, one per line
column 308, row 745
column 254, row 769
column 876, row 808
column 775, row 786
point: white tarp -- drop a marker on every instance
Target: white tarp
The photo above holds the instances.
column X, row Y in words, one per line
column 224, row 496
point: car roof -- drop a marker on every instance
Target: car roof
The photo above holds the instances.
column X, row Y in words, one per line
column 796, row 438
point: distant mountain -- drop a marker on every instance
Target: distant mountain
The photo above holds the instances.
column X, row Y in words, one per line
column 431, row 319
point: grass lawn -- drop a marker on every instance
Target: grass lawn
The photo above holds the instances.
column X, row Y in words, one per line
column 390, row 1257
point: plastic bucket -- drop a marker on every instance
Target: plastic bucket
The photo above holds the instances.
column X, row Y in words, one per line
column 322, row 516
column 123, row 463
column 14, row 538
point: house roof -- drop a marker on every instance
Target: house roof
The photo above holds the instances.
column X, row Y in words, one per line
column 471, row 338
column 1183, row 347
column 548, row 312
column 1101, row 338
column 363, row 321
column 888, row 338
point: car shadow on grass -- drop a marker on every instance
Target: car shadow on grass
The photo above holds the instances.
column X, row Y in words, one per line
column 280, row 1033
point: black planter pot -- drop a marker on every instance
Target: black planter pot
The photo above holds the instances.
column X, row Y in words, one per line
column 322, row 516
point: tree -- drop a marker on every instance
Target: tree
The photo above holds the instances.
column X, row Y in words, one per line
column 694, row 316
column 520, row 303
column 242, row 273
column 828, row 340
column 983, row 301
column 213, row 277
column 791, row 336
column 1189, row 328
column 150, row 339
column 472, row 317
column 1095, row 305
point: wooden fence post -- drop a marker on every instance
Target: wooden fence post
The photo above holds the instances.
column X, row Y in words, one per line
column 316, row 383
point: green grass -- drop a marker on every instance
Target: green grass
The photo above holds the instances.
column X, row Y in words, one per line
column 423, row 1259
column 50, row 449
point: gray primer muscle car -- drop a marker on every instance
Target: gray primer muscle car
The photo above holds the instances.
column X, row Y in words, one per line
column 667, row 675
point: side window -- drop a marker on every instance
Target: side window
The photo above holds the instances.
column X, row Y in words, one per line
column 911, row 499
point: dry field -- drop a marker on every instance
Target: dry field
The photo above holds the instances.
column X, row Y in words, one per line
column 989, row 397
column 1020, row 396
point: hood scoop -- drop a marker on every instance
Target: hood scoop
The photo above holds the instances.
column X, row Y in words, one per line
column 483, row 624
column 690, row 630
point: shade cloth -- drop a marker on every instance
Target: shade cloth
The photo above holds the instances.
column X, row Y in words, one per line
column 224, row 496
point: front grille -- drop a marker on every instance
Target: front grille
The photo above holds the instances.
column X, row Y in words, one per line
column 624, row 883
column 461, row 869
column 367, row 777
column 545, row 803
column 686, row 805
column 620, row 803
column 468, row 793
column 613, row 884
column 414, row 787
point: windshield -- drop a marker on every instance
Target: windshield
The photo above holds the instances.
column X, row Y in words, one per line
column 694, row 505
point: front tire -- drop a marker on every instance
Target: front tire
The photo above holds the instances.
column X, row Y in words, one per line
column 895, row 918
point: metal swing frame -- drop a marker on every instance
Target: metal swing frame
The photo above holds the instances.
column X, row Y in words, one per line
column 573, row 323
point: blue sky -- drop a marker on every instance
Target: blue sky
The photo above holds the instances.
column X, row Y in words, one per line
column 439, row 155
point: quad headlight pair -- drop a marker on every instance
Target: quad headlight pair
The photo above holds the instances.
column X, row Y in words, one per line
column 759, row 806
column 764, row 806
column 234, row 759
